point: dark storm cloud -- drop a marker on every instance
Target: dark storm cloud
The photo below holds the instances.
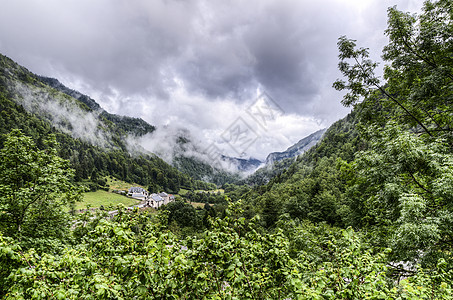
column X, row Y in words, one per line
column 215, row 47
column 111, row 44
column 217, row 70
column 178, row 57
column 263, row 45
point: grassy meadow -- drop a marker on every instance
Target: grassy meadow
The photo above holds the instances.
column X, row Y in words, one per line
column 100, row 197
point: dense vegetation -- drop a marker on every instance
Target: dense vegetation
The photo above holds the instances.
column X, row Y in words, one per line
column 386, row 169
column 200, row 170
column 366, row 214
column 135, row 255
column 90, row 162
column 312, row 187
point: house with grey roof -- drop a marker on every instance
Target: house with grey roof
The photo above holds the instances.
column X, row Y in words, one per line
column 157, row 200
column 150, row 200
column 138, row 193
column 165, row 197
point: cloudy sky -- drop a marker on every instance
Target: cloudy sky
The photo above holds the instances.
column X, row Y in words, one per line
column 199, row 64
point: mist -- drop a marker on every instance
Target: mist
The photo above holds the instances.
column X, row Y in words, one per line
column 63, row 113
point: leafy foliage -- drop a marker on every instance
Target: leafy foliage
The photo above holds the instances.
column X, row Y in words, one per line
column 403, row 184
column 132, row 256
column 35, row 188
column 400, row 188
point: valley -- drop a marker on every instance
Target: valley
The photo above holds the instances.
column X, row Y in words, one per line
column 361, row 209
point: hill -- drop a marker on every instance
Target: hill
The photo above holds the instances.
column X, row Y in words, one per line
column 309, row 187
column 93, row 140
column 129, row 125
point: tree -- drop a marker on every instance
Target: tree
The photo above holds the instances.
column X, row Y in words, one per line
column 35, row 189
column 270, row 210
column 402, row 186
column 182, row 213
column 421, row 71
column 419, row 74
column 133, row 257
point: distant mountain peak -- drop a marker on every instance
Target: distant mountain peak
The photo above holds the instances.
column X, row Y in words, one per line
column 297, row 149
column 243, row 164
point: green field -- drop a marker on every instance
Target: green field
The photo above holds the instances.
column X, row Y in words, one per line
column 182, row 192
column 98, row 198
column 120, row 185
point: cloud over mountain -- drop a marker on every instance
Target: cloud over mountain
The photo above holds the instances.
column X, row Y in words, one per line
column 196, row 64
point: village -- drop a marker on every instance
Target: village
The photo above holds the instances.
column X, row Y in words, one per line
column 149, row 200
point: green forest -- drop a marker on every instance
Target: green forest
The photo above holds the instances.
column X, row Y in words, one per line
column 90, row 162
column 367, row 213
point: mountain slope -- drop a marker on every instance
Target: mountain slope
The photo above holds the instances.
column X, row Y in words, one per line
column 95, row 145
column 181, row 157
column 242, row 164
column 130, row 125
column 310, row 187
column 278, row 162
column 295, row 150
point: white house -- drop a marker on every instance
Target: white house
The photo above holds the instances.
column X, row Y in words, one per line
column 165, row 197
column 151, row 200
column 157, row 200
column 138, row 193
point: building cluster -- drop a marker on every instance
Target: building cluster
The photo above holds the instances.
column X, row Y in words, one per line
column 150, row 200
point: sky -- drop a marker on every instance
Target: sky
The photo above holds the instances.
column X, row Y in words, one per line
column 211, row 68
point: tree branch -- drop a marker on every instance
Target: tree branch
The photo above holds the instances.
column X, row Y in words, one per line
column 419, row 184
column 411, row 49
column 392, row 98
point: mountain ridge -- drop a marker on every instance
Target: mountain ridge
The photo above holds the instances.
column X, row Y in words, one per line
column 298, row 148
column 64, row 107
column 140, row 127
column 95, row 146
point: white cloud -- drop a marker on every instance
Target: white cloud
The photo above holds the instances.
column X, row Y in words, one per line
column 208, row 122
column 196, row 64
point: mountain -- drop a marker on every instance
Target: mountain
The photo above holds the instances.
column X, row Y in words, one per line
column 310, row 186
column 130, row 125
column 182, row 153
column 96, row 143
column 68, row 111
column 242, row 164
column 295, row 150
column 92, row 130
column 277, row 162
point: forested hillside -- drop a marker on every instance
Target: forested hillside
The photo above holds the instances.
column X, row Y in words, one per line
column 122, row 124
column 91, row 139
column 201, row 170
column 386, row 168
column 366, row 214
column 311, row 187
